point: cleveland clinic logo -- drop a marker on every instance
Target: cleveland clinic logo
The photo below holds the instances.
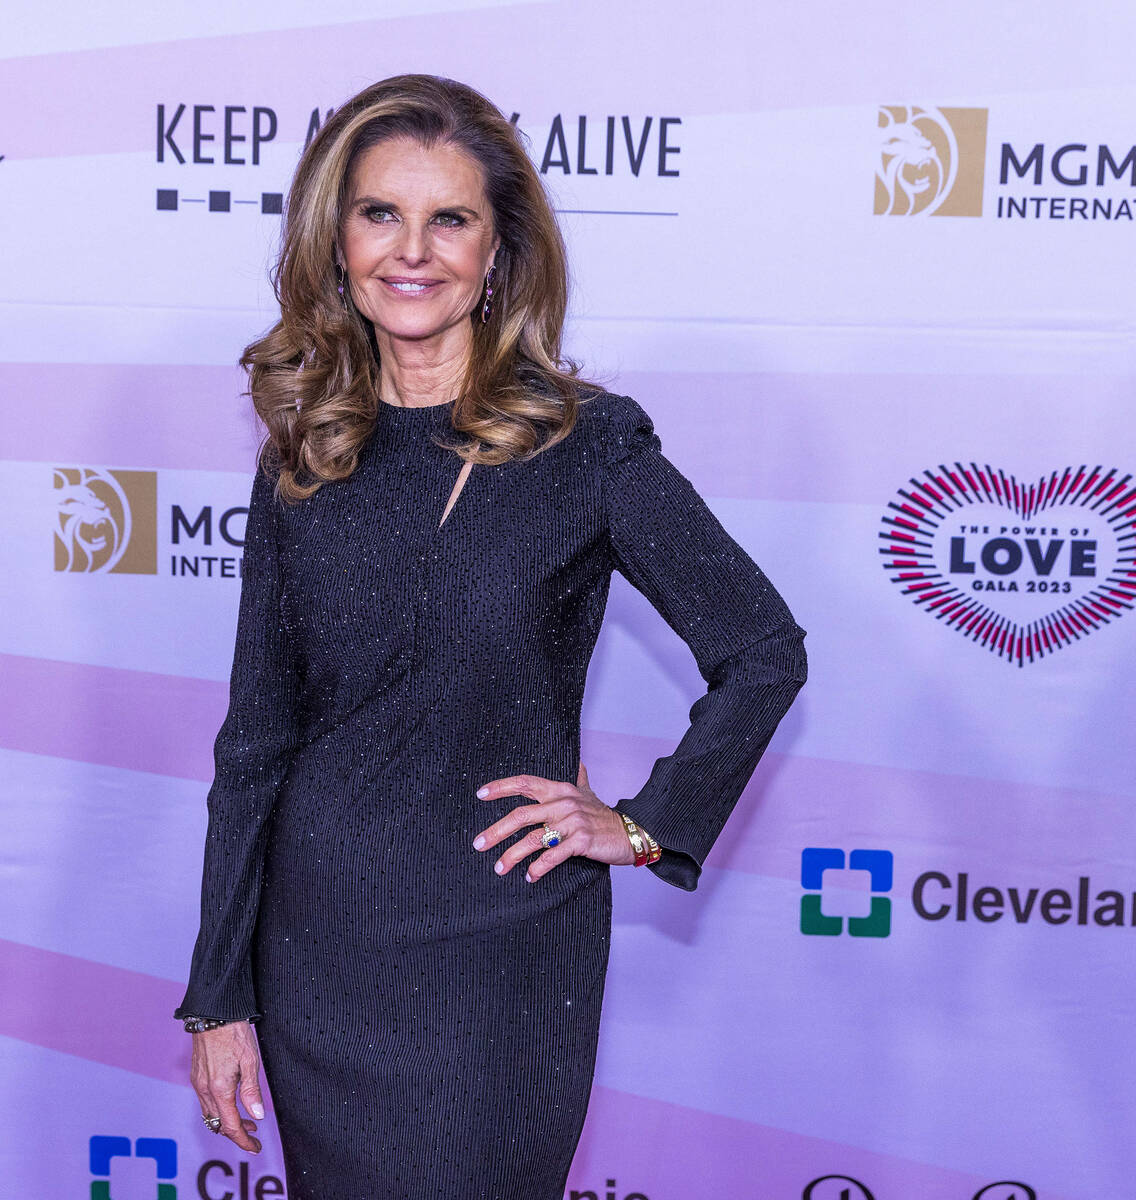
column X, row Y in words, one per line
column 106, row 521
column 816, row 916
column 1020, row 567
column 162, row 1151
column 829, row 882
column 930, row 161
column 215, row 1179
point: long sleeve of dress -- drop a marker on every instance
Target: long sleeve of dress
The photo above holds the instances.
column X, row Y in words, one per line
column 251, row 754
column 669, row 545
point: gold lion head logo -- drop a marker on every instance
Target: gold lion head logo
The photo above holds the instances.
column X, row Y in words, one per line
column 918, row 160
column 93, row 522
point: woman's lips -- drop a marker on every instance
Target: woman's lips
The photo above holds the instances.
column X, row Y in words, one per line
column 410, row 287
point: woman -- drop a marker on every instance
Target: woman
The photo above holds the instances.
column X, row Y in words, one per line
column 421, row 595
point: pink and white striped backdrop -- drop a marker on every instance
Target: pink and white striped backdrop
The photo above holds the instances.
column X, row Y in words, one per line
column 870, row 270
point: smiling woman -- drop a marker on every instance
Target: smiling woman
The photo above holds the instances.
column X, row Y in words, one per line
column 417, row 243
column 414, row 193
column 407, row 872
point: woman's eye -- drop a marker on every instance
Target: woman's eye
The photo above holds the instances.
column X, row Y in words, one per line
column 378, row 214
column 450, row 220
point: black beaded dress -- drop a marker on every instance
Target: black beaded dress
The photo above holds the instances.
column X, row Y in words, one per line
column 428, row 1028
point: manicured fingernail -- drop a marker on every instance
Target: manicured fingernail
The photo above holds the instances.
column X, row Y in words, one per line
column 528, row 877
column 482, row 792
column 258, row 1111
column 479, row 843
column 498, row 867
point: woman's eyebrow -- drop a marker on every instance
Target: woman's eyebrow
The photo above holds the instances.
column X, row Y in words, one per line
column 375, row 200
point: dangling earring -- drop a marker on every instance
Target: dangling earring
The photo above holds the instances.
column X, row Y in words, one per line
column 341, row 276
column 487, row 307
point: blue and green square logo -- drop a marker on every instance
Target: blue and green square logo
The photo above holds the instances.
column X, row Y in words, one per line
column 815, row 861
column 162, row 1150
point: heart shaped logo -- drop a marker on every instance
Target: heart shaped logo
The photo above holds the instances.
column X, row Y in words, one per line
column 1021, row 569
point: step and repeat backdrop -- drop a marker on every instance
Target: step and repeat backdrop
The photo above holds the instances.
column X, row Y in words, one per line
column 871, row 273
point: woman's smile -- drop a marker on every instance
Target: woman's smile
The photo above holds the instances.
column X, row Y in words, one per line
column 412, row 287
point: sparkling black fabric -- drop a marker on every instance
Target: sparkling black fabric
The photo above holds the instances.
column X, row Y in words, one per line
column 429, row 1028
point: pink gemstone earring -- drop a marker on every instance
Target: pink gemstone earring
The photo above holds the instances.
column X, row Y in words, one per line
column 487, row 307
column 341, row 276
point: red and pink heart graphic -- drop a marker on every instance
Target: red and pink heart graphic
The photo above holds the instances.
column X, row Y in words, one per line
column 1022, row 569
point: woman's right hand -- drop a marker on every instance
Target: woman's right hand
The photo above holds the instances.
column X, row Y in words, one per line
column 225, row 1064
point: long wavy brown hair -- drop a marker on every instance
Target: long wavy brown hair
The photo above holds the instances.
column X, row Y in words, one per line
column 314, row 377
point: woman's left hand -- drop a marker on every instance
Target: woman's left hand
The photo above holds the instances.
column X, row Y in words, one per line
column 586, row 825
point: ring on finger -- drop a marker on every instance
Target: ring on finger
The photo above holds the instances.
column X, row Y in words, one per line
column 214, row 1123
column 551, row 837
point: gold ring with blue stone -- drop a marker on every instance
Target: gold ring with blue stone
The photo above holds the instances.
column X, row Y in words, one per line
column 550, row 837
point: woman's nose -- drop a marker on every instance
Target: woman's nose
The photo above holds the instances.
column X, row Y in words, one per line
column 414, row 246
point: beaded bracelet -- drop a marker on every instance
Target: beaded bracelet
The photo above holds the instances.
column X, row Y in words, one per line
column 201, row 1024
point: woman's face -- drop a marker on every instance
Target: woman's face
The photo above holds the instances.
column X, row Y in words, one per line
column 417, row 239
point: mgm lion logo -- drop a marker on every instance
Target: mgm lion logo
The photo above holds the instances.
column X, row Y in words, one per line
column 930, row 161
column 106, row 521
